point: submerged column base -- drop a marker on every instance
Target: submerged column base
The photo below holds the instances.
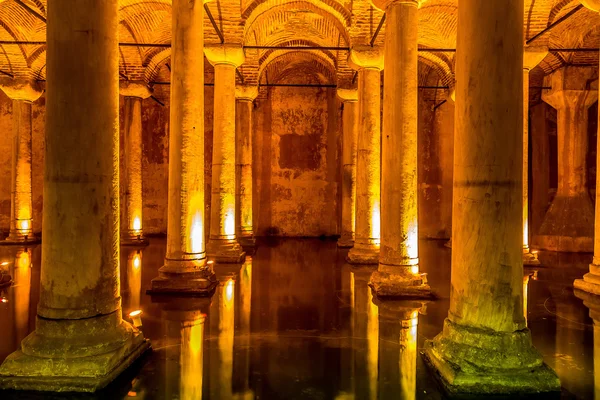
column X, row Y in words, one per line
column 225, row 251
column 17, row 238
column 590, row 282
column 134, row 240
column 73, row 355
column 530, row 258
column 470, row 360
column 398, row 282
column 184, row 278
column 363, row 253
column 248, row 242
column 345, row 241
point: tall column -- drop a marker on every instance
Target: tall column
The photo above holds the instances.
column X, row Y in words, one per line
column 532, row 56
column 131, row 227
column 568, row 225
column 223, row 246
column 350, row 127
column 81, row 342
column 485, row 346
column 398, row 272
column 186, row 269
column 22, row 93
column 244, row 106
column 369, row 63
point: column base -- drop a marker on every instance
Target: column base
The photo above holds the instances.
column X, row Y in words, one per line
column 187, row 281
column 363, row 254
column 530, row 258
column 84, row 363
column 136, row 241
column 590, row 282
column 248, row 243
column 400, row 285
column 345, row 242
column 225, row 251
column 469, row 360
column 20, row 240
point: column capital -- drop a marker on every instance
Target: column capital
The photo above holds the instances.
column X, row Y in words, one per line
column 571, row 86
column 363, row 56
column 246, row 92
column 135, row 89
column 384, row 4
column 21, row 89
column 347, row 95
column 232, row 54
column 593, row 5
column 533, row 55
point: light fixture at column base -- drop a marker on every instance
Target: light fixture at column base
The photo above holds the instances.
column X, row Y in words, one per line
column 363, row 254
column 530, row 258
column 225, row 251
column 400, row 286
column 201, row 282
column 22, row 371
column 345, row 242
column 475, row 361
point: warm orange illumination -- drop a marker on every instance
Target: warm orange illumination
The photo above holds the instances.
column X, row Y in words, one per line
column 136, row 318
column 372, row 344
column 225, row 338
column 525, row 234
column 192, row 344
column 134, row 279
column 196, row 224
column 408, row 357
column 24, row 225
column 412, row 241
column 197, row 236
column 229, row 223
column 137, row 224
column 23, row 259
column 137, row 261
column 229, row 290
column 525, row 296
column 4, row 300
column 5, row 263
column 376, row 223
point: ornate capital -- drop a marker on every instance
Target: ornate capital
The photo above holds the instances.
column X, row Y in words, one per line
column 21, row 89
column 533, row 55
column 571, row 86
column 384, row 4
column 366, row 57
column 593, row 5
column 232, row 54
column 246, row 92
column 134, row 89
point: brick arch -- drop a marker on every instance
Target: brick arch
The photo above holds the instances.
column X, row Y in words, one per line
column 287, row 60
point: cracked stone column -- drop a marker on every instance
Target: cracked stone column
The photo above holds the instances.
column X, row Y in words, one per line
column 568, row 225
column 350, row 127
column 80, row 342
column 186, row 269
column 591, row 280
column 131, row 227
column 485, row 346
column 532, row 56
column 244, row 107
column 369, row 63
column 223, row 246
column 398, row 272
column 22, row 93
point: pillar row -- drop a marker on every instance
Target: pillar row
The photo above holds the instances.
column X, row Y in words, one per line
column 244, row 108
column 131, row 226
column 223, row 246
column 398, row 272
column 369, row 63
column 186, row 269
column 568, row 225
column 23, row 93
column 81, row 342
column 485, row 346
column 532, row 56
column 350, row 128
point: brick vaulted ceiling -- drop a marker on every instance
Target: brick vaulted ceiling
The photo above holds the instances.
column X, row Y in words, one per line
column 335, row 24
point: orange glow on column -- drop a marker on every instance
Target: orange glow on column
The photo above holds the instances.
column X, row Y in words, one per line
column 24, row 259
column 372, row 345
column 525, row 233
column 137, row 224
column 412, row 244
column 191, row 359
column 229, row 225
column 408, row 357
column 134, row 279
column 376, row 223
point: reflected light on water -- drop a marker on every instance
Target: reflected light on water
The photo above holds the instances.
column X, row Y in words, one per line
column 191, row 359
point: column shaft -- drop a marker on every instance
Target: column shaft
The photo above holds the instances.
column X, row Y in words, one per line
column 367, row 231
column 485, row 329
column 526, row 160
column 350, row 128
column 243, row 142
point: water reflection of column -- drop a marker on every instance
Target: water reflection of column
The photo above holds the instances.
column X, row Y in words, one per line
column 242, row 363
column 221, row 372
column 21, row 291
column 191, row 358
column 366, row 326
column 134, row 279
column 398, row 351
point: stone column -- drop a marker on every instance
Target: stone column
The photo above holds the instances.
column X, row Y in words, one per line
column 485, row 346
column 398, row 271
column 131, row 227
column 244, row 106
column 186, row 269
column 369, row 63
column 591, row 280
column 350, row 127
column 532, row 56
column 81, row 342
column 22, row 93
column 568, row 225
column 223, row 246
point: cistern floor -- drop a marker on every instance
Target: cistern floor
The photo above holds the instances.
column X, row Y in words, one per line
column 296, row 322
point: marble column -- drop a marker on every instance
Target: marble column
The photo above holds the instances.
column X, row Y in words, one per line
column 186, row 269
column 569, row 223
column 485, row 346
column 244, row 107
column 131, row 227
column 398, row 272
column 591, row 280
column 532, row 56
column 80, row 342
column 223, row 246
column 23, row 93
column 350, row 127
column 369, row 63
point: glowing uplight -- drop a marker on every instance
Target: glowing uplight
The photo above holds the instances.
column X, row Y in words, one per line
column 137, row 224
column 525, row 234
column 4, row 300
column 197, row 236
column 4, row 263
column 229, row 224
column 376, row 223
column 24, row 225
column 412, row 240
column 137, row 261
column 229, row 290
column 136, row 318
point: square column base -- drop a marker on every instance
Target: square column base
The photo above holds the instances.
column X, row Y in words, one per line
column 590, row 282
column 366, row 254
column 345, row 242
column 472, row 361
column 135, row 241
column 225, row 251
column 202, row 282
column 79, row 374
column 400, row 285
column 530, row 258
column 20, row 241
